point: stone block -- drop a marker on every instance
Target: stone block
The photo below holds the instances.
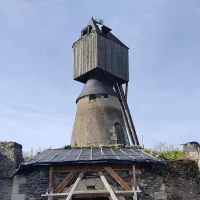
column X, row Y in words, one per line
column 111, row 130
column 20, row 179
column 138, row 172
column 18, row 197
column 113, row 138
column 162, row 188
column 160, row 195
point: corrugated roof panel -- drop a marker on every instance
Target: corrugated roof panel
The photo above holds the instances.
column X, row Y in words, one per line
column 146, row 156
column 50, row 155
column 73, row 155
column 130, row 152
column 97, row 154
column 61, row 156
column 85, row 154
column 39, row 156
column 122, row 155
column 108, row 152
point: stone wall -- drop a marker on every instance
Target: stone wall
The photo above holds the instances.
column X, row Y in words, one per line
column 10, row 158
column 178, row 180
column 151, row 183
column 30, row 186
column 182, row 180
column 6, row 188
column 192, row 150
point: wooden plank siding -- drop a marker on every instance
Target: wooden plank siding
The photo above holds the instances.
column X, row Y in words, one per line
column 96, row 51
column 113, row 58
column 85, row 55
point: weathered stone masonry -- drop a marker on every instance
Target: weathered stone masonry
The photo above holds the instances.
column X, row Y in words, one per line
column 10, row 158
column 178, row 180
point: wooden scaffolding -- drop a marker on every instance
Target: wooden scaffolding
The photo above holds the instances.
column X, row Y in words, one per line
column 55, row 191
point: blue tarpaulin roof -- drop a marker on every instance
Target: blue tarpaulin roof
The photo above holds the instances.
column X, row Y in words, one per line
column 91, row 155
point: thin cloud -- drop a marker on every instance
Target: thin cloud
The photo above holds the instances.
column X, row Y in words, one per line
column 17, row 125
column 197, row 9
column 30, row 112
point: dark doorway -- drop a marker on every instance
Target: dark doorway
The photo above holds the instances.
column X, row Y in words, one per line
column 120, row 134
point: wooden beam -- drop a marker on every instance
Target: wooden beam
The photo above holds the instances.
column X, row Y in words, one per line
column 134, row 183
column 90, row 194
column 117, row 178
column 51, row 191
column 126, row 92
column 105, row 182
column 69, row 197
column 124, row 193
column 64, row 182
column 134, row 177
column 91, row 168
column 51, row 181
column 124, row 115
column 129, row 115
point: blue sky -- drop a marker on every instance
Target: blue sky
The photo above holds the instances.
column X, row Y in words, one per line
column 37, row 91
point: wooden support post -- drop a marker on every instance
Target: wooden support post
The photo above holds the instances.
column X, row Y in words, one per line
column 64, row 182
column 134, row 177
column 69, row 197
column 105, row 182
column 51, row 192
column 128, row 115
column 124, row 115
column 134, row 183
column 51, row 181
column 126, row 92
column 117, row 178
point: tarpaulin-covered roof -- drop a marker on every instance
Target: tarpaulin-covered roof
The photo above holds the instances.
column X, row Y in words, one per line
column 72, row 156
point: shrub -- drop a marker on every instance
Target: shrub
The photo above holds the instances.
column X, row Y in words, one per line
column 166, row 152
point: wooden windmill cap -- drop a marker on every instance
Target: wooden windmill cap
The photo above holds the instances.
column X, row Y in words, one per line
column 100, row 28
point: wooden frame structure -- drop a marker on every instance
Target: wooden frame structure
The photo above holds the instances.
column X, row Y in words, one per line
column 55, row 192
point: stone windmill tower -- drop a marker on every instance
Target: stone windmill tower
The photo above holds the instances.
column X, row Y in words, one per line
column 101, row 63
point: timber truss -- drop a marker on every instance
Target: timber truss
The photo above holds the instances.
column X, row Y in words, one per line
column 55, row 192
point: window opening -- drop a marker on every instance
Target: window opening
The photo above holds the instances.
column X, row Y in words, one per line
column 86, row 30
column 120, row 134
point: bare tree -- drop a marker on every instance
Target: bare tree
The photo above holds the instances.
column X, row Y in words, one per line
column 163, row 147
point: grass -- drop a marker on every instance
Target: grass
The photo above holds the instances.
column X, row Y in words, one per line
column 167, row 155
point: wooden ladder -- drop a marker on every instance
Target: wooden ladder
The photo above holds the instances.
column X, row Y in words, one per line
column 126, row 114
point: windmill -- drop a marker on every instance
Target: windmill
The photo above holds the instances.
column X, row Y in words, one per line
column 101, row 63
